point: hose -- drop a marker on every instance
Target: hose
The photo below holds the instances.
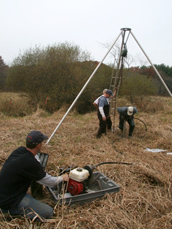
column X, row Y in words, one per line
column 113, row 162
column 142, row 122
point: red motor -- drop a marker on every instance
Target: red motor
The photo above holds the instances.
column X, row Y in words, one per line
column 75, row 187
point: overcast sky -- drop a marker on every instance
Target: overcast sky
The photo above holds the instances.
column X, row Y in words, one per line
column 90, row 24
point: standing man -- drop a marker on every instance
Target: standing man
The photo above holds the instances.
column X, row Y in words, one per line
column 103, row 112
column 19, row 170
column 96, row 104
column 127, row 113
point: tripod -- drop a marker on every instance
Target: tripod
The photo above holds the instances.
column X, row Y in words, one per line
column 116, row 78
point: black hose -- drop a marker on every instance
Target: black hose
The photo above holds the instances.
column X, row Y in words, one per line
column 113, row 162
column 142, row 122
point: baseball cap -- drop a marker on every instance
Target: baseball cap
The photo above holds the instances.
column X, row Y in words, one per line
column 130, row 111
column 109, row 92
column 35, row 137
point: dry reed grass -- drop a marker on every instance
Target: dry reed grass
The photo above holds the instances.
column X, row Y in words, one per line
column 13, row 104
column 144, row 199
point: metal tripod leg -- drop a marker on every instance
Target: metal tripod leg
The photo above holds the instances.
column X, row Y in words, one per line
column 82, row 90
column 169, row 92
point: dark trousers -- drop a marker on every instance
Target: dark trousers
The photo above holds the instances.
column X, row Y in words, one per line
column 130, row 121
column 103, row 124
column 108, row 123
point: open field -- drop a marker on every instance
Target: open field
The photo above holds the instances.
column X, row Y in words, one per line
column 145, row 196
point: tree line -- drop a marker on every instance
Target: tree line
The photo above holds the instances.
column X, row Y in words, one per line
column 53, row 76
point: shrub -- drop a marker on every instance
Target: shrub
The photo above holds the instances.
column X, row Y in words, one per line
column 136, row 86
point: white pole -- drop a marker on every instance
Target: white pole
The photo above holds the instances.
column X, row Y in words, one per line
column 82, row 90
column 169, row 92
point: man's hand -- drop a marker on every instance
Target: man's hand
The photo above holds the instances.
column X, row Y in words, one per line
column 65, row 177
column 104, row 118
